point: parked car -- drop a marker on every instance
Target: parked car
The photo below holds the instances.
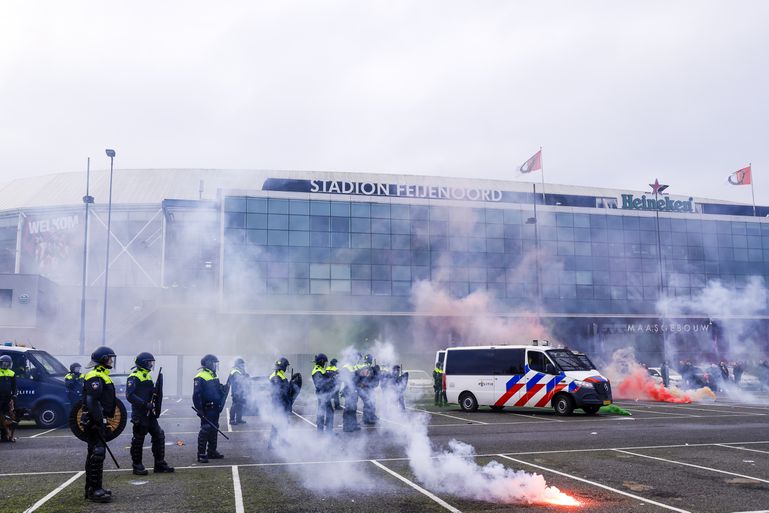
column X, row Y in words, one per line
column 675, row 378
column 420, row 383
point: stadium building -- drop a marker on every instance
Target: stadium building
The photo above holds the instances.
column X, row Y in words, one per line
column 236, row 259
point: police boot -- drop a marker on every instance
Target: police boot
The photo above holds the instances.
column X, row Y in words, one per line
column 136, row 457
column 212, row 453
column 159, row 453
column 139, row 470
column 202, row 442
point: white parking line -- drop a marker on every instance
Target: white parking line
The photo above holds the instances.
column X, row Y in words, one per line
column 163, row 412
column 599, row 485
column 179, row 400
column 418, row 488
column 742, row 448
column 449, row 416
column 330, row 462
column 44, row 432
column 693, row 466
column 229, row 427
column 532, row 416
column 53, row 493
column 759, row 511
column 238, row 491
column 647, row 410
column 696, row 408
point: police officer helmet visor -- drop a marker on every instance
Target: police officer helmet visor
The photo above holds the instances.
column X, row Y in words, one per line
column 149, row 364
column 77, row 369
column 5, row 362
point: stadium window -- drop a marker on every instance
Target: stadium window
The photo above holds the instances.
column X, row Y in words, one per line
column 340, row 208
column 234, row 204
column 299, row 207
column 319, row 286
column 360, row 209
column 320, row 208
column 277, row 206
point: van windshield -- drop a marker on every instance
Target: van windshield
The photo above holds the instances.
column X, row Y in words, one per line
column 49, row 363
column 569, row 361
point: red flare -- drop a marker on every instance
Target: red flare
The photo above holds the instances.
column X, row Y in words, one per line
column 638, row 385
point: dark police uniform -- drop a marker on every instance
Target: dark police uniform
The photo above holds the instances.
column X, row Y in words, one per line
column 367, row 379
column 99, row 398
column 324, row 385
column 208, row 397
column 350, row 394
column 440, row 395
column 139, row 390
column 7, row 395
column 239, row 390
column 333, row 371
column 73, row 381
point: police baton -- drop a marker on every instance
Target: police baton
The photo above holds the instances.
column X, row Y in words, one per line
column 209, row 422
column 101, row 437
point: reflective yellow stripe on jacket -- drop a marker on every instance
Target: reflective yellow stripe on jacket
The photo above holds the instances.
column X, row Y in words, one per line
column 101, row 372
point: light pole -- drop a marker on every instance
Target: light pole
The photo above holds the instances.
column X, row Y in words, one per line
column 657, row 190
column 87, row 199
column 111, row 155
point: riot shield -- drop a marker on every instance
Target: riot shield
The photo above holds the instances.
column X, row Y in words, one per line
column 115, row 424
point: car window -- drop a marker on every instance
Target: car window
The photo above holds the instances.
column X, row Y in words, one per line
column 537, row 361
column 49, row 363
column 19, row 364
column 470, row 362
column 508, row 362
column 653, row 372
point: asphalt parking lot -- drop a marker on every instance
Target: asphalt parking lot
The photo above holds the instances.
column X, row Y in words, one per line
column 711, row 457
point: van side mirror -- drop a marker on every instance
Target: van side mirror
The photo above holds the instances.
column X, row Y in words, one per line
column 550, row 368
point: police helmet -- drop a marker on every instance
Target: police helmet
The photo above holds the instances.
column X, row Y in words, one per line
column 209, row 361
column 103, row 355
column 5, row 362
column 281, row 364
column 76, row 368
column 320, row 359
column 334, row 361
column 145, row 360
column 239, row 362
column 368, row 358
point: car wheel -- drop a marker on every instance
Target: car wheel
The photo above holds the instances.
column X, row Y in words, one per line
column 468, row 402
column 563, row 405
column 592, row 409
column 49, row 415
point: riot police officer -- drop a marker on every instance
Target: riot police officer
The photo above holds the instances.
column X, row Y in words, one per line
column 99, row 404
column 281, row 386
column 140, row 392
column 208, row 396
column 324, row 385
column 73, row 381
column 350, row 395
column 238, row 381
column 7, row 397
column 367, row 379
column 440, row 395
column 332, row 369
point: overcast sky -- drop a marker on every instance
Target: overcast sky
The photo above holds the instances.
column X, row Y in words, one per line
column 616, row 92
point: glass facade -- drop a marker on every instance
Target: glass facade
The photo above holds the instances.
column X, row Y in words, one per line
column 591, row 261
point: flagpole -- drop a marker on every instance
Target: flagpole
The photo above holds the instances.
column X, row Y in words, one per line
column 542, row 168
column 752, row 191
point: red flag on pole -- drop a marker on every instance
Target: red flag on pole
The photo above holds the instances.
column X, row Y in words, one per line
column 533, row 164
column 741, row 177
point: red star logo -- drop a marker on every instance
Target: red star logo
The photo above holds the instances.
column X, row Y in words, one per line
column 657, row 187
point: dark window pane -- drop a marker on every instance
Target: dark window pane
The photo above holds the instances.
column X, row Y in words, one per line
column 470, row 362
column 508, row 362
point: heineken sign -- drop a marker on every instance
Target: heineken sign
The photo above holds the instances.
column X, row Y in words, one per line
column 663, row 204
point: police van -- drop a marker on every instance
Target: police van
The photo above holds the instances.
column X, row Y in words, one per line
column 40, row 390
column 535, row 375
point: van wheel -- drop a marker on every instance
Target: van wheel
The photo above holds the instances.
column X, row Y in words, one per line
column 49, row 415
column 592, row 409
column 468, row 402
column 563, row 405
